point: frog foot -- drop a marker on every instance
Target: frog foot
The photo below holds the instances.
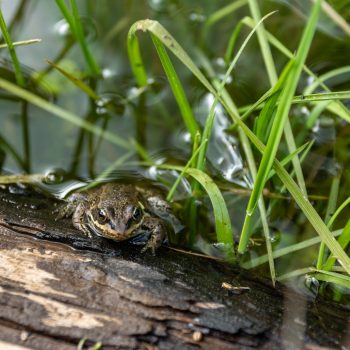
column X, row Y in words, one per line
column 158, row 233
column 63, row 211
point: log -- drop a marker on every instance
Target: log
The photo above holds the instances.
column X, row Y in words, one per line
column 58, row 287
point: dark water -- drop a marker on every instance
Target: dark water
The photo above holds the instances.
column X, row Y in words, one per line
column 72, row 157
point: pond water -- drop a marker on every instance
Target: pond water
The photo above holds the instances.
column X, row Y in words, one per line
column 148, row 122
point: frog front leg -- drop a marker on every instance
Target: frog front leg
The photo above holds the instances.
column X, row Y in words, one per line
column 75, row 207
column 158, row 233
column 160, row 207
column 79, row 219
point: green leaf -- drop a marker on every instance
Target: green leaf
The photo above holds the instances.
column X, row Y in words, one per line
column 222, row 218
column 278, row 123
column 77, row 82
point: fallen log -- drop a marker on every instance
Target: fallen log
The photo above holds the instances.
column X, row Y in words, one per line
column 58, row 287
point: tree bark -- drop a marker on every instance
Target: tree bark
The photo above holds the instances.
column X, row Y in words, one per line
column 58, row 287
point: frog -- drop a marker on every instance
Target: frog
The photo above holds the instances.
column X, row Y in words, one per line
column 119, row 212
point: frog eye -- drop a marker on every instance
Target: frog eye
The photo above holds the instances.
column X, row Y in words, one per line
column 102, row 215
column 137, row 214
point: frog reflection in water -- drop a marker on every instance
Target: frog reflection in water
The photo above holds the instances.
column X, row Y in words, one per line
column 119, row 211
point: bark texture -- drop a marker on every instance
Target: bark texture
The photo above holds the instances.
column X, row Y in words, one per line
column 58, row 287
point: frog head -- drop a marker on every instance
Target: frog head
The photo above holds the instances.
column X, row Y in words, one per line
column 117, row 215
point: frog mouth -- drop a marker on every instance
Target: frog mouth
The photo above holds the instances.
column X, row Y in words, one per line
column 109, row 230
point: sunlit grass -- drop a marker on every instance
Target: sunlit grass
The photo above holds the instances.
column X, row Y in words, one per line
column 73, row 19
column 63, row 114
column 272, row 123
column 21, row 43
column 12, row 51
column 21, row 82
column 298, row 195
column 288, row 89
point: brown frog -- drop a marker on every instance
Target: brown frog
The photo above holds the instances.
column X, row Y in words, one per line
column 119, row 211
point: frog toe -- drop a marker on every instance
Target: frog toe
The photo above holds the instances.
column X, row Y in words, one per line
column 151, row 245
column 62, row 212
column 156, row 239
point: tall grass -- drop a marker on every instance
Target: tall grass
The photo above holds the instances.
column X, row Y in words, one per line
column 21, row 82
column 282, row 112
column 73, row 19
column 260, row 145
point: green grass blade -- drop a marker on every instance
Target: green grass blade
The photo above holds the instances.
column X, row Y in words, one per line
column 331, row 207
column 232, row 42
column 77, row 30
column 177, row 88
column 339, row 109
column 322, row 78
column 287, row 250
column 21, row 43
column 183, row 172
column 305, row 147
column 61, row 113
column 336, row 17
column 222, row 218
column 314, row 218
column 291, row 186
column 66, row 14
column 196, row 143
column 224, row 11
column 79, row 33
column 4, row 145
column 265, row 49
column 332, row 199
column 338, row 211
column 23, row 179
column 220, row 89
column 168, row 40
column 12, row 51
column 272, row 74
column 247, row 150
column 161, row 36
column 278, row 124
column 77, row 82
column 324, row 96
column 252, row 168
column 21, row 82
column 345, row 235
column 288, row 134
column 207, row 133
column 333, row 277
column 295, row 273
column 134, row 54
column 315, row 114
column 263, row 123
column 343, row 240
column 105, row 174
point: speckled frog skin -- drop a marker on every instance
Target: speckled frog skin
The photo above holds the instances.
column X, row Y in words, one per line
column 119, row 211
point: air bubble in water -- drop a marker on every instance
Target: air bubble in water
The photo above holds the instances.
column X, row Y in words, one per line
column 54, row 176
column 62, row 28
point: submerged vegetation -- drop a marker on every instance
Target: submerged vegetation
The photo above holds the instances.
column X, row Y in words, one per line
column 262, row 153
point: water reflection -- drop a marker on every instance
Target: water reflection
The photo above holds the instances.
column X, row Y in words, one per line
column 223, row 149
